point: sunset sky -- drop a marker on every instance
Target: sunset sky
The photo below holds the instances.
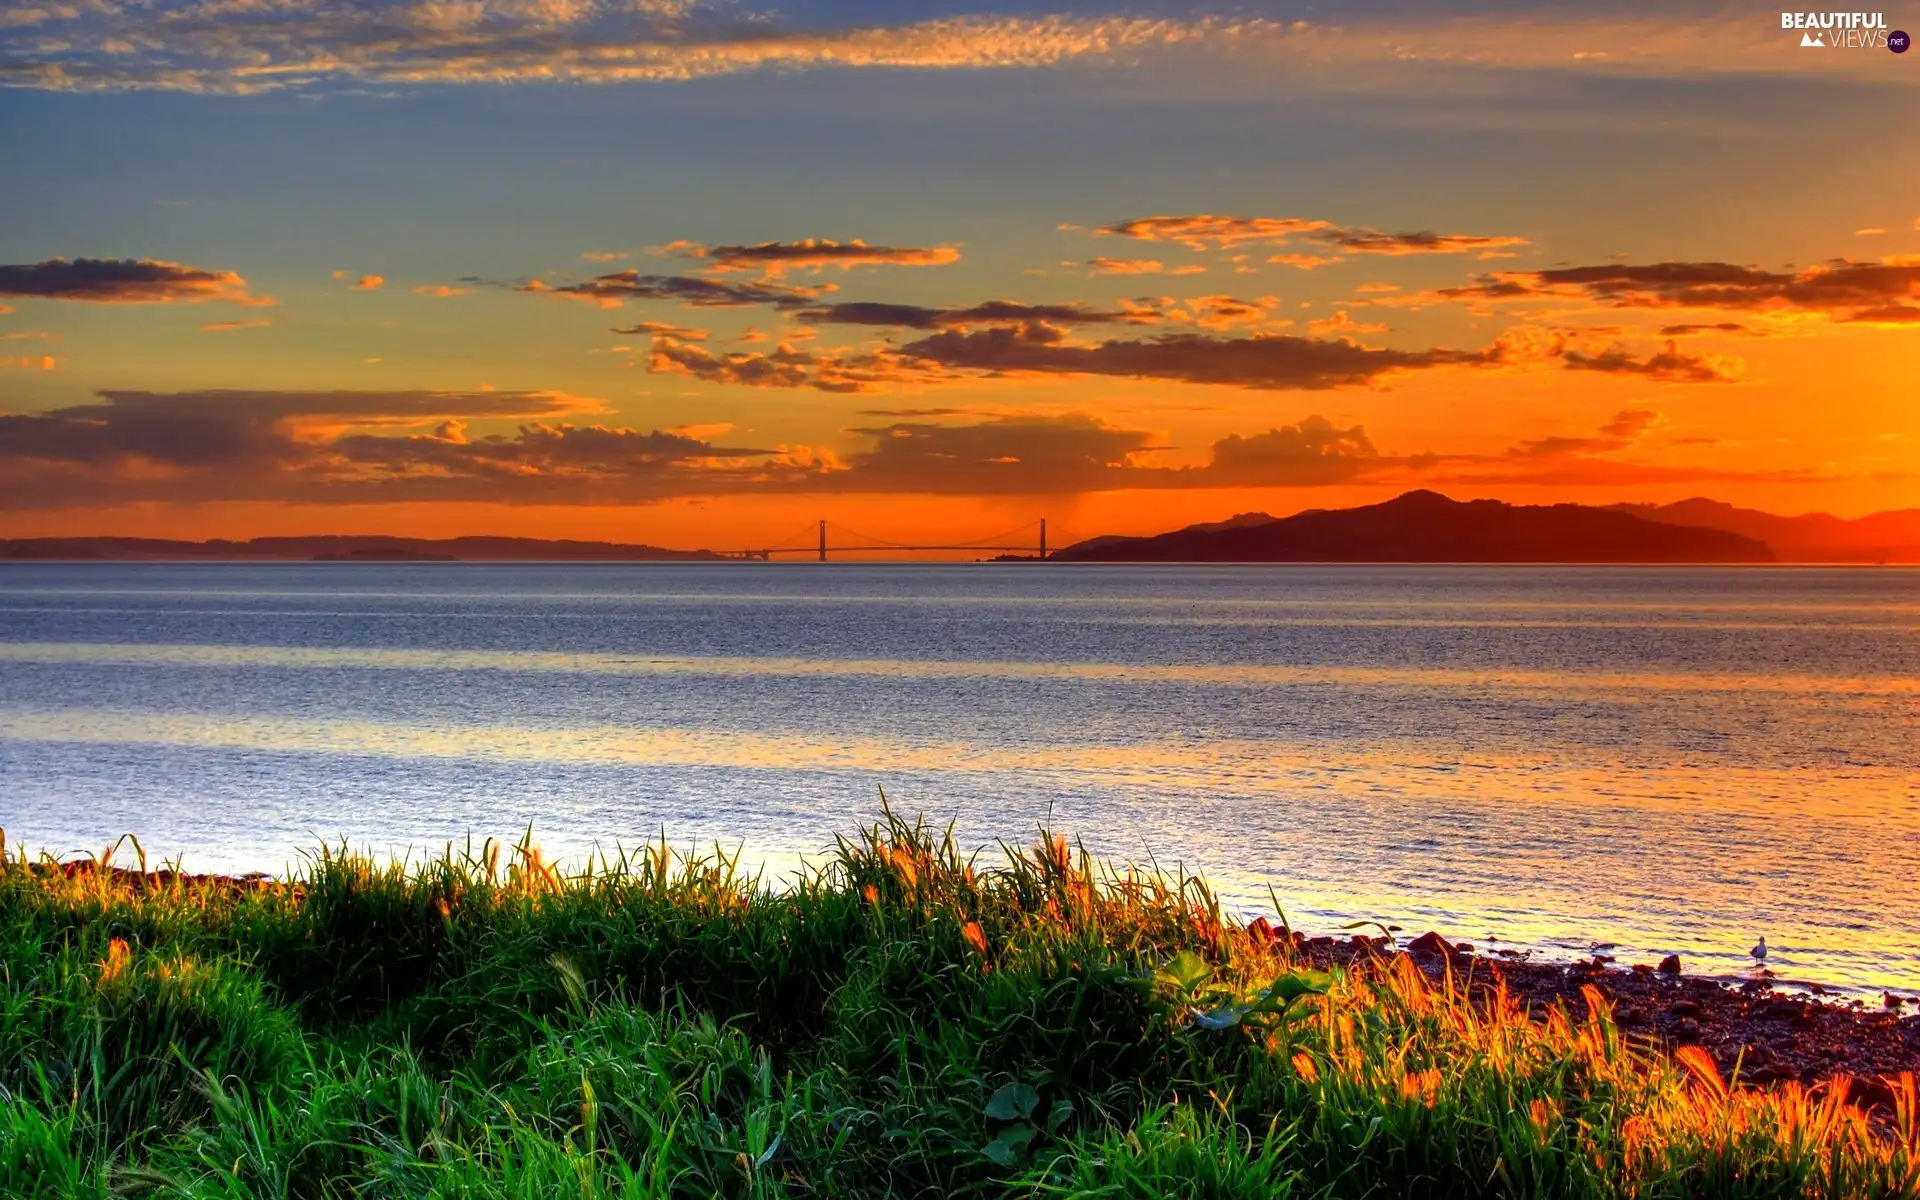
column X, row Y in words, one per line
column 697, row 274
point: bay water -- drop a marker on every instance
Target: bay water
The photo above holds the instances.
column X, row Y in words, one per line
column 1667, row 759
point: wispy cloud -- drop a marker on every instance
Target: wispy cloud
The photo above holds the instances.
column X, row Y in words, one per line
column 1207, row 231
column 387, row 447
column 240, row 46
column 776, row 258
column 1620, row 431
column 1262, row 361
column 990, row 312
column 314, row 446
column 1669, row 365
column 1139, row 266
column 611, row 291
column 398, row 447
column 1211, row 231
column 679, row 333
column 1886, row 292
column 783, row 367
column 1272, row 361
column 123, row 281
column 1711, row 327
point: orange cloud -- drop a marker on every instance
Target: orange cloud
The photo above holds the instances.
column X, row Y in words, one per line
column 234, row 326
column 1138, row 266
column 1024, row 453
column 1669, row 365
column 678, row 333
column 42, row 362
column 438, row 290
column 408, row 447
column 1206, row 231
column 1304, row 262
column 1207, row 312
column 368, row 283
column 1623, row 429
column 1342, row 322
column 783, row 367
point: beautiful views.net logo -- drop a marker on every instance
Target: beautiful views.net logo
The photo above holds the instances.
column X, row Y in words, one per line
column 1845, row 30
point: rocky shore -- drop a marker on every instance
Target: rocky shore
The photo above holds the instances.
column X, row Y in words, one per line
column 1769, row 1033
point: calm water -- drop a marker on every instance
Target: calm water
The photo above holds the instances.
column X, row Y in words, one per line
column 1669, row 759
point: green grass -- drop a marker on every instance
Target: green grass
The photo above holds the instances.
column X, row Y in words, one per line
column 900, row 1023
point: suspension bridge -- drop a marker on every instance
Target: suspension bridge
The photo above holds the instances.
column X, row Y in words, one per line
column 824, row 538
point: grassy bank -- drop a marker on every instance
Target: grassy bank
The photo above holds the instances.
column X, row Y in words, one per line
column 901, row 1024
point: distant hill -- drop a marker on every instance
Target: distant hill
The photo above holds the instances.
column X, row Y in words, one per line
column 1425, row 526
column 343, row 548
column 1814, row 537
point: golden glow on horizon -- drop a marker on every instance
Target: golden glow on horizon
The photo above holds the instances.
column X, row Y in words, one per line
column 1251, row 323
column 1425, row 679
column 1244, row 768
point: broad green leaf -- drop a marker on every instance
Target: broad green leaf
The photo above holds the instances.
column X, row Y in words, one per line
column 1012, row 1102
column 1061, row 1112
column 1185, row 971
column 1295, row 984
column 1009, row 1146
column 1224, row 1017
column 1142, row 984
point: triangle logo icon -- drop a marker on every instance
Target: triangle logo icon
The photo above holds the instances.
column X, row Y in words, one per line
column 1811, row 39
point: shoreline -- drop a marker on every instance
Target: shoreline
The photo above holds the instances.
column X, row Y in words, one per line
column 1523, row 957
column 1770, row 1034
column 900, row 1023
column 1768, row 1030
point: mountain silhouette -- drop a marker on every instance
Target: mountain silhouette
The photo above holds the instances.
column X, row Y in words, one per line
column 1813, row 537
column 1425, row 526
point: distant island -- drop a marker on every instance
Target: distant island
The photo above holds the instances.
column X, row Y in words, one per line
column 1888, row 537
column 1416, row 527
column 1427, row 527
column 344, row 548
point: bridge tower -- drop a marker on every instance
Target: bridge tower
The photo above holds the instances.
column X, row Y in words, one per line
column 1043, row 539
column 823, row 540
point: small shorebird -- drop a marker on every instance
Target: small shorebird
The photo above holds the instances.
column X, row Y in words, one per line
column 1759, row 950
